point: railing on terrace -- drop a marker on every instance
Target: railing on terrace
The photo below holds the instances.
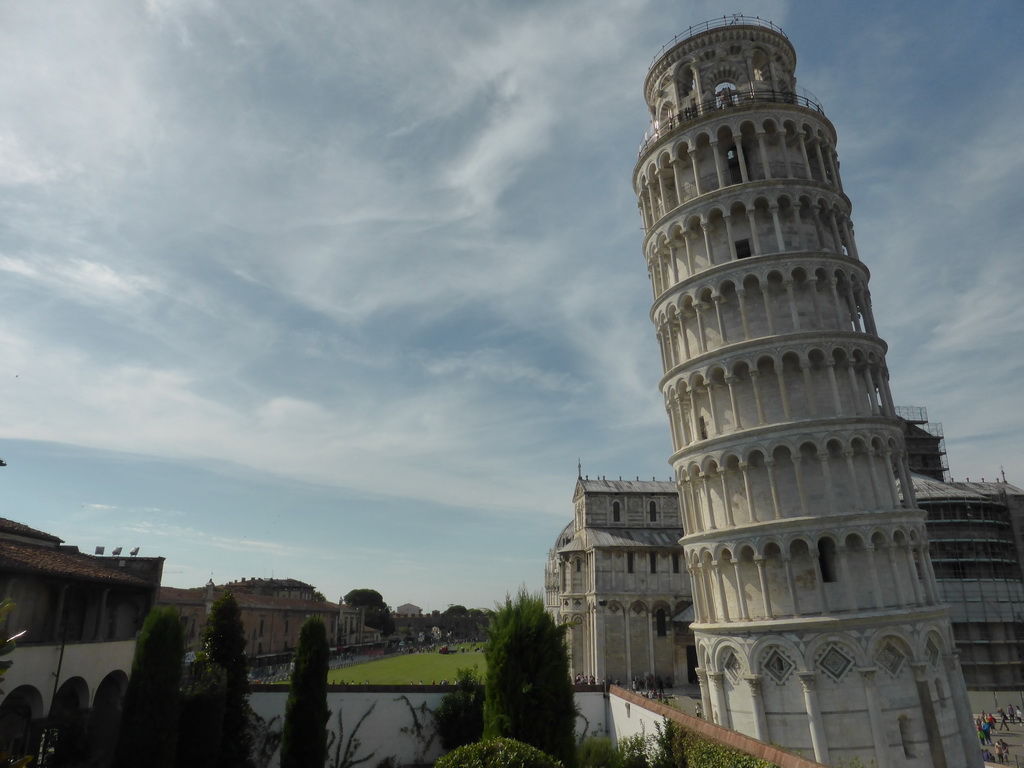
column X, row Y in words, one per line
column 733, row 20
column 726, row 100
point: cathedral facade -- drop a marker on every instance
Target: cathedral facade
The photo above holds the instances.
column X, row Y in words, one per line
column 617, row 577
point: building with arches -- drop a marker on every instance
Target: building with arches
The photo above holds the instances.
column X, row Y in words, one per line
column 80, row 615
column 818, row 624
column 616, row 576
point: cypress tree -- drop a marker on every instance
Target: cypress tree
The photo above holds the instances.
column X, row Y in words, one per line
column 304, row 738
column 201, row 717
column 149, row 722
column 528, row 692
column 224, row 643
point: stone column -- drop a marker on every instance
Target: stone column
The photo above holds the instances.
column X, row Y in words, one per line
column 740, row 596
column 755, row 378
column 762, row 578
column 779, row 239
column 764, row 155
column 818, row 742
column 722, row 333
column 757, row 706
column 741, row 296
column 718, row 163
column 878, row 736
column 769, row 463
column 721, row 706
column 730, row 382
column 755, row 240
column 766, row 296
column 705, row 226
column 741, row 156
column 705, row 694
column 751, row 507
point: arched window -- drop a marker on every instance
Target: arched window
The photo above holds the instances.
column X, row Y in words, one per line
column 616, row 517
column 579, row 565
column 652, row 512
column 661, row 622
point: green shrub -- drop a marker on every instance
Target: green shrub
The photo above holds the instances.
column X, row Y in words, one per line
column 460, row 715
column 632, row 752
column 529, row 693
column 497, row 753
column 598, row 752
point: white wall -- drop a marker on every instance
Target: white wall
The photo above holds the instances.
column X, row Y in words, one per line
column 382, row 734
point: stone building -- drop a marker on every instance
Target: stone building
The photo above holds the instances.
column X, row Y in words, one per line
column 271, row 622
column 617, row 577
column 818, row 623
column 80, row 615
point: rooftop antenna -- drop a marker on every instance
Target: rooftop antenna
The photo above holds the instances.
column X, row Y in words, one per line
column 99, row 550
column 115, row 551
column 134, row 552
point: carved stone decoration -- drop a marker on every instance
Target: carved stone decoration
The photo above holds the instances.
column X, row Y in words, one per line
column 777, row 666
column 835, row 663
column 890, row 659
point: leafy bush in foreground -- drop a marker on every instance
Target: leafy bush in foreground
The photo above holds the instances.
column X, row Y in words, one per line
column 497, row 753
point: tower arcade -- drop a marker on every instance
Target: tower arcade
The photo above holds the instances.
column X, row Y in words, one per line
column 817, row 620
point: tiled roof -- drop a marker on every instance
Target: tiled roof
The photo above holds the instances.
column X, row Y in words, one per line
column 991, row 488
column 20, row 529
column 603, row 485
column 630, row 538
column 22, row 557
column 930, row 489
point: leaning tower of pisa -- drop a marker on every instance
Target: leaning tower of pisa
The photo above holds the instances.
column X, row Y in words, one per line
column 817, row 622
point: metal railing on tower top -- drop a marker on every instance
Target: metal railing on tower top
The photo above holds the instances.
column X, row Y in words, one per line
column 733, row 20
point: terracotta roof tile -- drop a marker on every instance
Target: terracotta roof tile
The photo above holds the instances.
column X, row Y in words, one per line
column 22, row 557
column 20, row 529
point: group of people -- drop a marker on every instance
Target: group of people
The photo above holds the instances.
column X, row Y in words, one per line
column 986, row 723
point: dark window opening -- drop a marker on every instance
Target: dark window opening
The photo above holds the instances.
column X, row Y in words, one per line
column 629, row 562
column 675, row 563
column 652, row 511
column 703, row 428
column 743, row 250
column 654, row 562
column 827, row 558
column 615, row 512
column 733, row 159
column 579, row 566
column 662, row 623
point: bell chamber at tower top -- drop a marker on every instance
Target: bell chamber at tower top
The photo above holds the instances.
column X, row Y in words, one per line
column 725, row 114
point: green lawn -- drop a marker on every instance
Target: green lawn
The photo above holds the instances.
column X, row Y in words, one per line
column 412, row 668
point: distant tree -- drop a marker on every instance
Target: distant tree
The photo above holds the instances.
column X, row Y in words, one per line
column 456, row 610
column 149, row 720
column 224, row 644
column 529, row 693
column 377, row 614
column 304, row 738
column 201, row 718
column 319, row 596
column 460, row 714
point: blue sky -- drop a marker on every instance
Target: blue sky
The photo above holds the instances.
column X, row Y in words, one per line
column 341, row 291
